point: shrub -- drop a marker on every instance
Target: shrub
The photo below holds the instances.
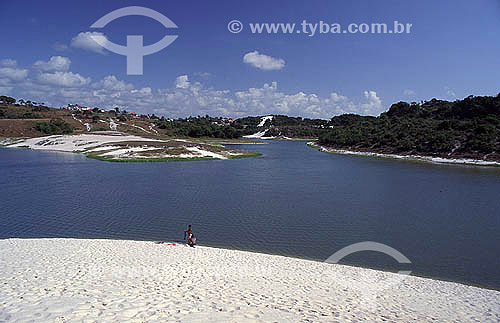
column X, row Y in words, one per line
column 54, row 127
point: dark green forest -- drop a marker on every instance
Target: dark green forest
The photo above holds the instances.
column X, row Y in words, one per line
column 469, row 127
column 198, row 127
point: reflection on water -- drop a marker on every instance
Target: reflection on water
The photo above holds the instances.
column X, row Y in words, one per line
column 292, row 201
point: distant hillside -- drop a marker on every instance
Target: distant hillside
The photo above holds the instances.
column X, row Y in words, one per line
column 468, row 128
column 28, row 119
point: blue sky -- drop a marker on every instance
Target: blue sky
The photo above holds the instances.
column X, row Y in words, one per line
column 452, row 51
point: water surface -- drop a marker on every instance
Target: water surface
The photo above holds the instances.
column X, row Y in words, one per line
column 292, row 201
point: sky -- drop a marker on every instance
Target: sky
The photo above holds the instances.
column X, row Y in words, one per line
column 451, row 52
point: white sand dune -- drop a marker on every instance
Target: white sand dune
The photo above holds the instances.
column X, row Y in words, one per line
column 259, row 135
column 129, row 151
column 72, row 143
column 263, row 120
column 198, row 152
column 59, row 280
column 95, row 143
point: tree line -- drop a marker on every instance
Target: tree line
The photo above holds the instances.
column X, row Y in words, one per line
column 468, row 126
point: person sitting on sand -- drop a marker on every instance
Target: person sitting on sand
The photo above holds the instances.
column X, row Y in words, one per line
column 188, row 232
column 192, row 241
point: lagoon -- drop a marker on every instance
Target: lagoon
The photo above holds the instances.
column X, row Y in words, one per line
column 292, row 201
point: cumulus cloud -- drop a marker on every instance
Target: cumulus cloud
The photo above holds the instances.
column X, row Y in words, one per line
column 267, row 99
column 10, row 72
column 55, row 64
column 374, row 104
column 14, row 74
column 85, row 41
column 110, row 82
column 263, row 62
column 185, row 97
column 182, row 82
column 65, row 79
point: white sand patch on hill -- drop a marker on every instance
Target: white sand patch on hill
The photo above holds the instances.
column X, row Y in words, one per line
column 259, row 135
column 204, row 153
column 102, row 148
column 71, row 143
column 129, row 151
column 47, row 280
column 133, row 125
column 263, row 120
column 112, row 124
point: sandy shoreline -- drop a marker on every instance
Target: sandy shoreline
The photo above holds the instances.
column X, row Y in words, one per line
column 117, row 146
column 47, row 280
column 428, row 159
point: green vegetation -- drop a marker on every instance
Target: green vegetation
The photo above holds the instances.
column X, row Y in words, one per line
column 245, row 156
column 7, row 99
column 469, row 127
column 293, row 127
column 210, row 127
column 54, row 127
column 199, row 127
column 22, row 112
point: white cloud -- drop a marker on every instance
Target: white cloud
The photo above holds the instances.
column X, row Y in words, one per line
column 182, row 82
column 13, row 74
column 267, row 100
column 184, row 97
column 10, row 72
column 112, row 83
column 263, row 62
column 55, row 64
column 84, row 41
column 374, row 104
column 65, row 79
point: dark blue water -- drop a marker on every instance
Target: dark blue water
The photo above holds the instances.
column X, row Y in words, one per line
column 292, row 201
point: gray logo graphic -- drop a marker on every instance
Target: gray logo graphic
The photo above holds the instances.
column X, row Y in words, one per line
column 369, row 287
column 135, row 51
column 235, row 26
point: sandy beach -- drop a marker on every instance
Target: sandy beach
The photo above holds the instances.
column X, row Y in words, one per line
column 69, row 280
column 428, row 159
column 107, row 146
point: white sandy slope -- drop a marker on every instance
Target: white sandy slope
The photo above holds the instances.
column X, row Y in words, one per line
column 264, row 119
column 93, row 143
column 259, row 135
column 72, row 143
column 71, row 280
